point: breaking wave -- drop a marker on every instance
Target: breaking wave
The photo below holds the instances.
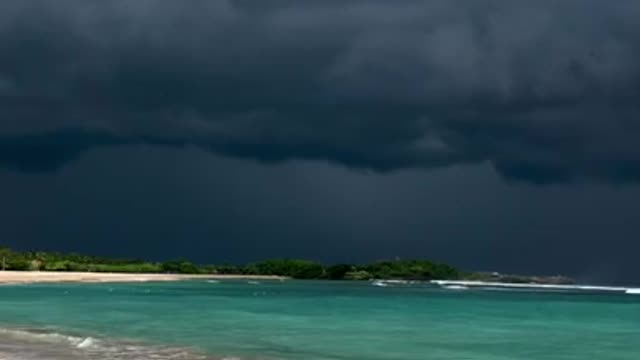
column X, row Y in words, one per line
column 497, row 286
column 41, row 344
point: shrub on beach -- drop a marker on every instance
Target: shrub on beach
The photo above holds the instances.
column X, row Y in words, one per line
column 180, row 267
column 297, row 269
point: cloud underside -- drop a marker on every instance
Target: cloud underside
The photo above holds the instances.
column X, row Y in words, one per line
column 544, row 91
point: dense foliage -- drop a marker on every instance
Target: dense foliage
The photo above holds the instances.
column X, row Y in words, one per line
column 299, row 269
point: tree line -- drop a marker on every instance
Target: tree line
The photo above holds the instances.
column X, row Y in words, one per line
column 294, row 268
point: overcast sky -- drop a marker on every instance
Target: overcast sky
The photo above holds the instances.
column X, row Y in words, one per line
column 492, row 134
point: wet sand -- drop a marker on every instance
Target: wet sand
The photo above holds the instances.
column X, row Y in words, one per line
column 28, row 277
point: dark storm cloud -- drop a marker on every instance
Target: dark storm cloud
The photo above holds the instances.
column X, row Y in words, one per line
column 545, row 91
column 157, row 203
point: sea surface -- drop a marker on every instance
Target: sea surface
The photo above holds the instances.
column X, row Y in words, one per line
column 312, row 320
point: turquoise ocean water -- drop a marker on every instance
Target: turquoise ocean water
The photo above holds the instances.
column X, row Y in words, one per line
column 312, row 320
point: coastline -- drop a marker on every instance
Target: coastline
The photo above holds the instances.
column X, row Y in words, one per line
column 33, row 277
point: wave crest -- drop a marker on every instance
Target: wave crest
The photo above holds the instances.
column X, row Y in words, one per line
column 44, row 343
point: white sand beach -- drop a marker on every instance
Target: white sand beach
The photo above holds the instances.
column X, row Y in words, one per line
column 27, row 277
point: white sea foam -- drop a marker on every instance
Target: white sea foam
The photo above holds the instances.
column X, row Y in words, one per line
column 86, row 343
column 456, row 287
column 400, row 282
column 534, row 287
column 48, row 336
column 41, row 344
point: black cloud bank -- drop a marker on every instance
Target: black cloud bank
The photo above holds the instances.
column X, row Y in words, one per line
column 544, row 91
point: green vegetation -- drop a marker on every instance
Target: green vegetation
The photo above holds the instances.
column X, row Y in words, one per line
column 52, row 261
column 411, row 269
column 298, row 269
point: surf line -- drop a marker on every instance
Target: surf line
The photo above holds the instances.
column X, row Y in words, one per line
column 470, row 284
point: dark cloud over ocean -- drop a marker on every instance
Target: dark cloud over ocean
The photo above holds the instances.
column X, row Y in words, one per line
column 545, row 91
column 335, row 130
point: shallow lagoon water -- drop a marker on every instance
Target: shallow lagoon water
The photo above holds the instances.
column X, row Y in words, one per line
column 312, row 320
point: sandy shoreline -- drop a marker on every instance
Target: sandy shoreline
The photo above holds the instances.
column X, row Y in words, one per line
column 29, row 277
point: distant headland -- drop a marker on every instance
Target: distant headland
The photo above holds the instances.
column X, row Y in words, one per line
column 18, row 263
